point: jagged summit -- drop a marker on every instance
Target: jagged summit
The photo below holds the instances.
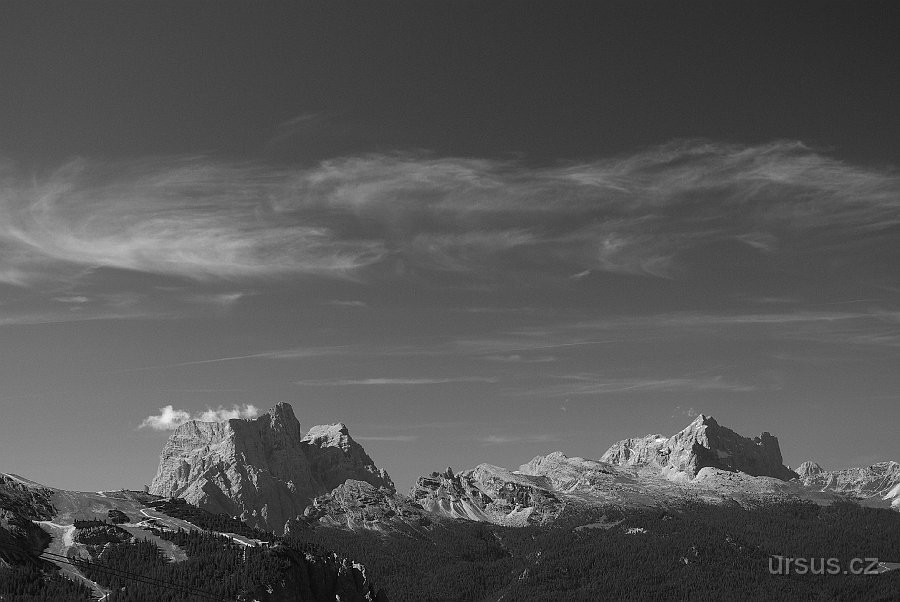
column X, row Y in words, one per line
column 703, row 443
column 264, row 469
column 282, row 411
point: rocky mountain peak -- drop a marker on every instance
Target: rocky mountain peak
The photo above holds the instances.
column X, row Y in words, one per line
column 703, row 443
column 704, row 420
column 281, row 417
column 262, row 470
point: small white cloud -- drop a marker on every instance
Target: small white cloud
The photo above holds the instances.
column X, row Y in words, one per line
column 170, row 419
column 222, row 414
column 689, row 412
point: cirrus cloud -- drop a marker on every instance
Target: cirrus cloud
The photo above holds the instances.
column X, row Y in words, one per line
column 201, row 219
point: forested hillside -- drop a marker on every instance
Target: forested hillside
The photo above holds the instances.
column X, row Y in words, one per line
column 690, row 553
column 697, row 552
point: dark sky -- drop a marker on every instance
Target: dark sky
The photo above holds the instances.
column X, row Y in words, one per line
column 539, row 79
column 473, row 231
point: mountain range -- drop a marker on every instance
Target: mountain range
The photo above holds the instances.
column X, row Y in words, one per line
column 260, row 482
column 266, row 472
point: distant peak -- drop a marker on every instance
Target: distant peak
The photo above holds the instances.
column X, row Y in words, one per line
column 808, row 469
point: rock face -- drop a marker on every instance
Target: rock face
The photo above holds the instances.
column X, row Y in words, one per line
column 569, row 475
column 26, row 498
column 488, row 493
column 359, row 505
column 334, row 457
column 261, row 470
column 704, row 443
column 880, row 481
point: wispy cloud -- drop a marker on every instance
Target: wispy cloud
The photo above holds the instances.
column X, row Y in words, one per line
column 506, row 439
column 73, row 299
column 281, row 354
column 591, row 384
column 304, row 123
column 360, row 304
column 516, row 358
column 191, row 218
column 513, row 345
column 203, row 219
column 170, row 419
column 220, row 300
column 389, row 438
column 58, row 317
column 340, row 382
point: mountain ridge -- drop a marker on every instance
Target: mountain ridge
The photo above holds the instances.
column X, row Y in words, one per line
column 270, row 474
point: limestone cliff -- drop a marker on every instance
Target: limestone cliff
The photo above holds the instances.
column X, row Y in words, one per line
column 262, row 470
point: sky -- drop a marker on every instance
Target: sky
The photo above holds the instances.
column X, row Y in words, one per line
column 473, row 232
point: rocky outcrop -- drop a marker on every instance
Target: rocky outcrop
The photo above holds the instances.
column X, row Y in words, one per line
column 21, row 503
column 488, row 493
column 26, row 498
column 880, row 481
column 263, row 470
column 704, row 443
column 335, row 457
column 360, row 505
column 571, row 475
